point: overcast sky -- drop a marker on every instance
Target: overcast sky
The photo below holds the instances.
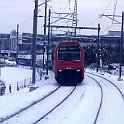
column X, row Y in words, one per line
column 13, row 12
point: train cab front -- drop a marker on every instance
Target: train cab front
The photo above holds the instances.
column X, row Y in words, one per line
column 69, row 77
column 69, row 63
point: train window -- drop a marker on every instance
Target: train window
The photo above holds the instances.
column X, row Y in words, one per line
column 68, row 53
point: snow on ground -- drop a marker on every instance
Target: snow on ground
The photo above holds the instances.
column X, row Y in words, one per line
column 77, row 109
column 112, row 77
column 113, row 104
column 81, row 109
column 13, row 74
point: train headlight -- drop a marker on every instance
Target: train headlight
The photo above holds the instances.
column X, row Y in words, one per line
column 78, row 70
column 60, row 70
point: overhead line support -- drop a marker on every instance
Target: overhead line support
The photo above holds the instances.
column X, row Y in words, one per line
column 121, row 45
column 34, row 41
column 77, row 27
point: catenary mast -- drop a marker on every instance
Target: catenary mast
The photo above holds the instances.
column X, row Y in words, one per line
column 74, row 22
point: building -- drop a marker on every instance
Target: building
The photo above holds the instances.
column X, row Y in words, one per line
column 25, row 49
column 23, row 53
column 115, row 33
column 8, row 46
column 4, row 44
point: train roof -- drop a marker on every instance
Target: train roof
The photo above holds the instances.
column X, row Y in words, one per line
column 68, row 43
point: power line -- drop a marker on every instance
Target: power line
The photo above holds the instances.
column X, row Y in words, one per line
column 54, row 12
column 60, row 19
column 93, row 21
column 115, row 5
column 101, row 14
column 106, row 29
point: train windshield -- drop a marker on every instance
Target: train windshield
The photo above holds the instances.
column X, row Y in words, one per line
column 68, row 53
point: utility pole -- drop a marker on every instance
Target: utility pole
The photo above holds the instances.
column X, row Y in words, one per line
column 0, row 53
column 97, row 54
column 45, row 18
column 121, row 39
column 48, row 41
column 34, row 41
column 121, row 44
column 17, row 38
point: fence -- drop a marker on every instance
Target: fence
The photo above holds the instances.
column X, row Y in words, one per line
column 13, row 87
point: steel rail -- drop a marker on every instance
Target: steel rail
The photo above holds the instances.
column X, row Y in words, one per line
column 27, row 107
column 101, row 100
column 109, row 82
column 55, row 106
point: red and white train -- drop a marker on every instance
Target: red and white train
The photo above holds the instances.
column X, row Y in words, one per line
column 69, row 62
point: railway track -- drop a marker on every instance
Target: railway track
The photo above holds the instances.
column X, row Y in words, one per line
column 27, row 107
column 101, row 99
column 55, row 106
column 104, row 83
column 40, row 111
column 110, row 83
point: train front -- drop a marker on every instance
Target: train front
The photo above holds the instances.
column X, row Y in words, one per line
column 69, row 63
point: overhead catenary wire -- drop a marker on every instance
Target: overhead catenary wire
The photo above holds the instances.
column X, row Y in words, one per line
column 106, row 29
column 101, row 14
column 59, row 19
column 30, row 18
column 68, row 5
column 93, row 21
column 115, row 5
column 107, row 6
column 55, row 12
column 111, row 17
column 66, row 20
